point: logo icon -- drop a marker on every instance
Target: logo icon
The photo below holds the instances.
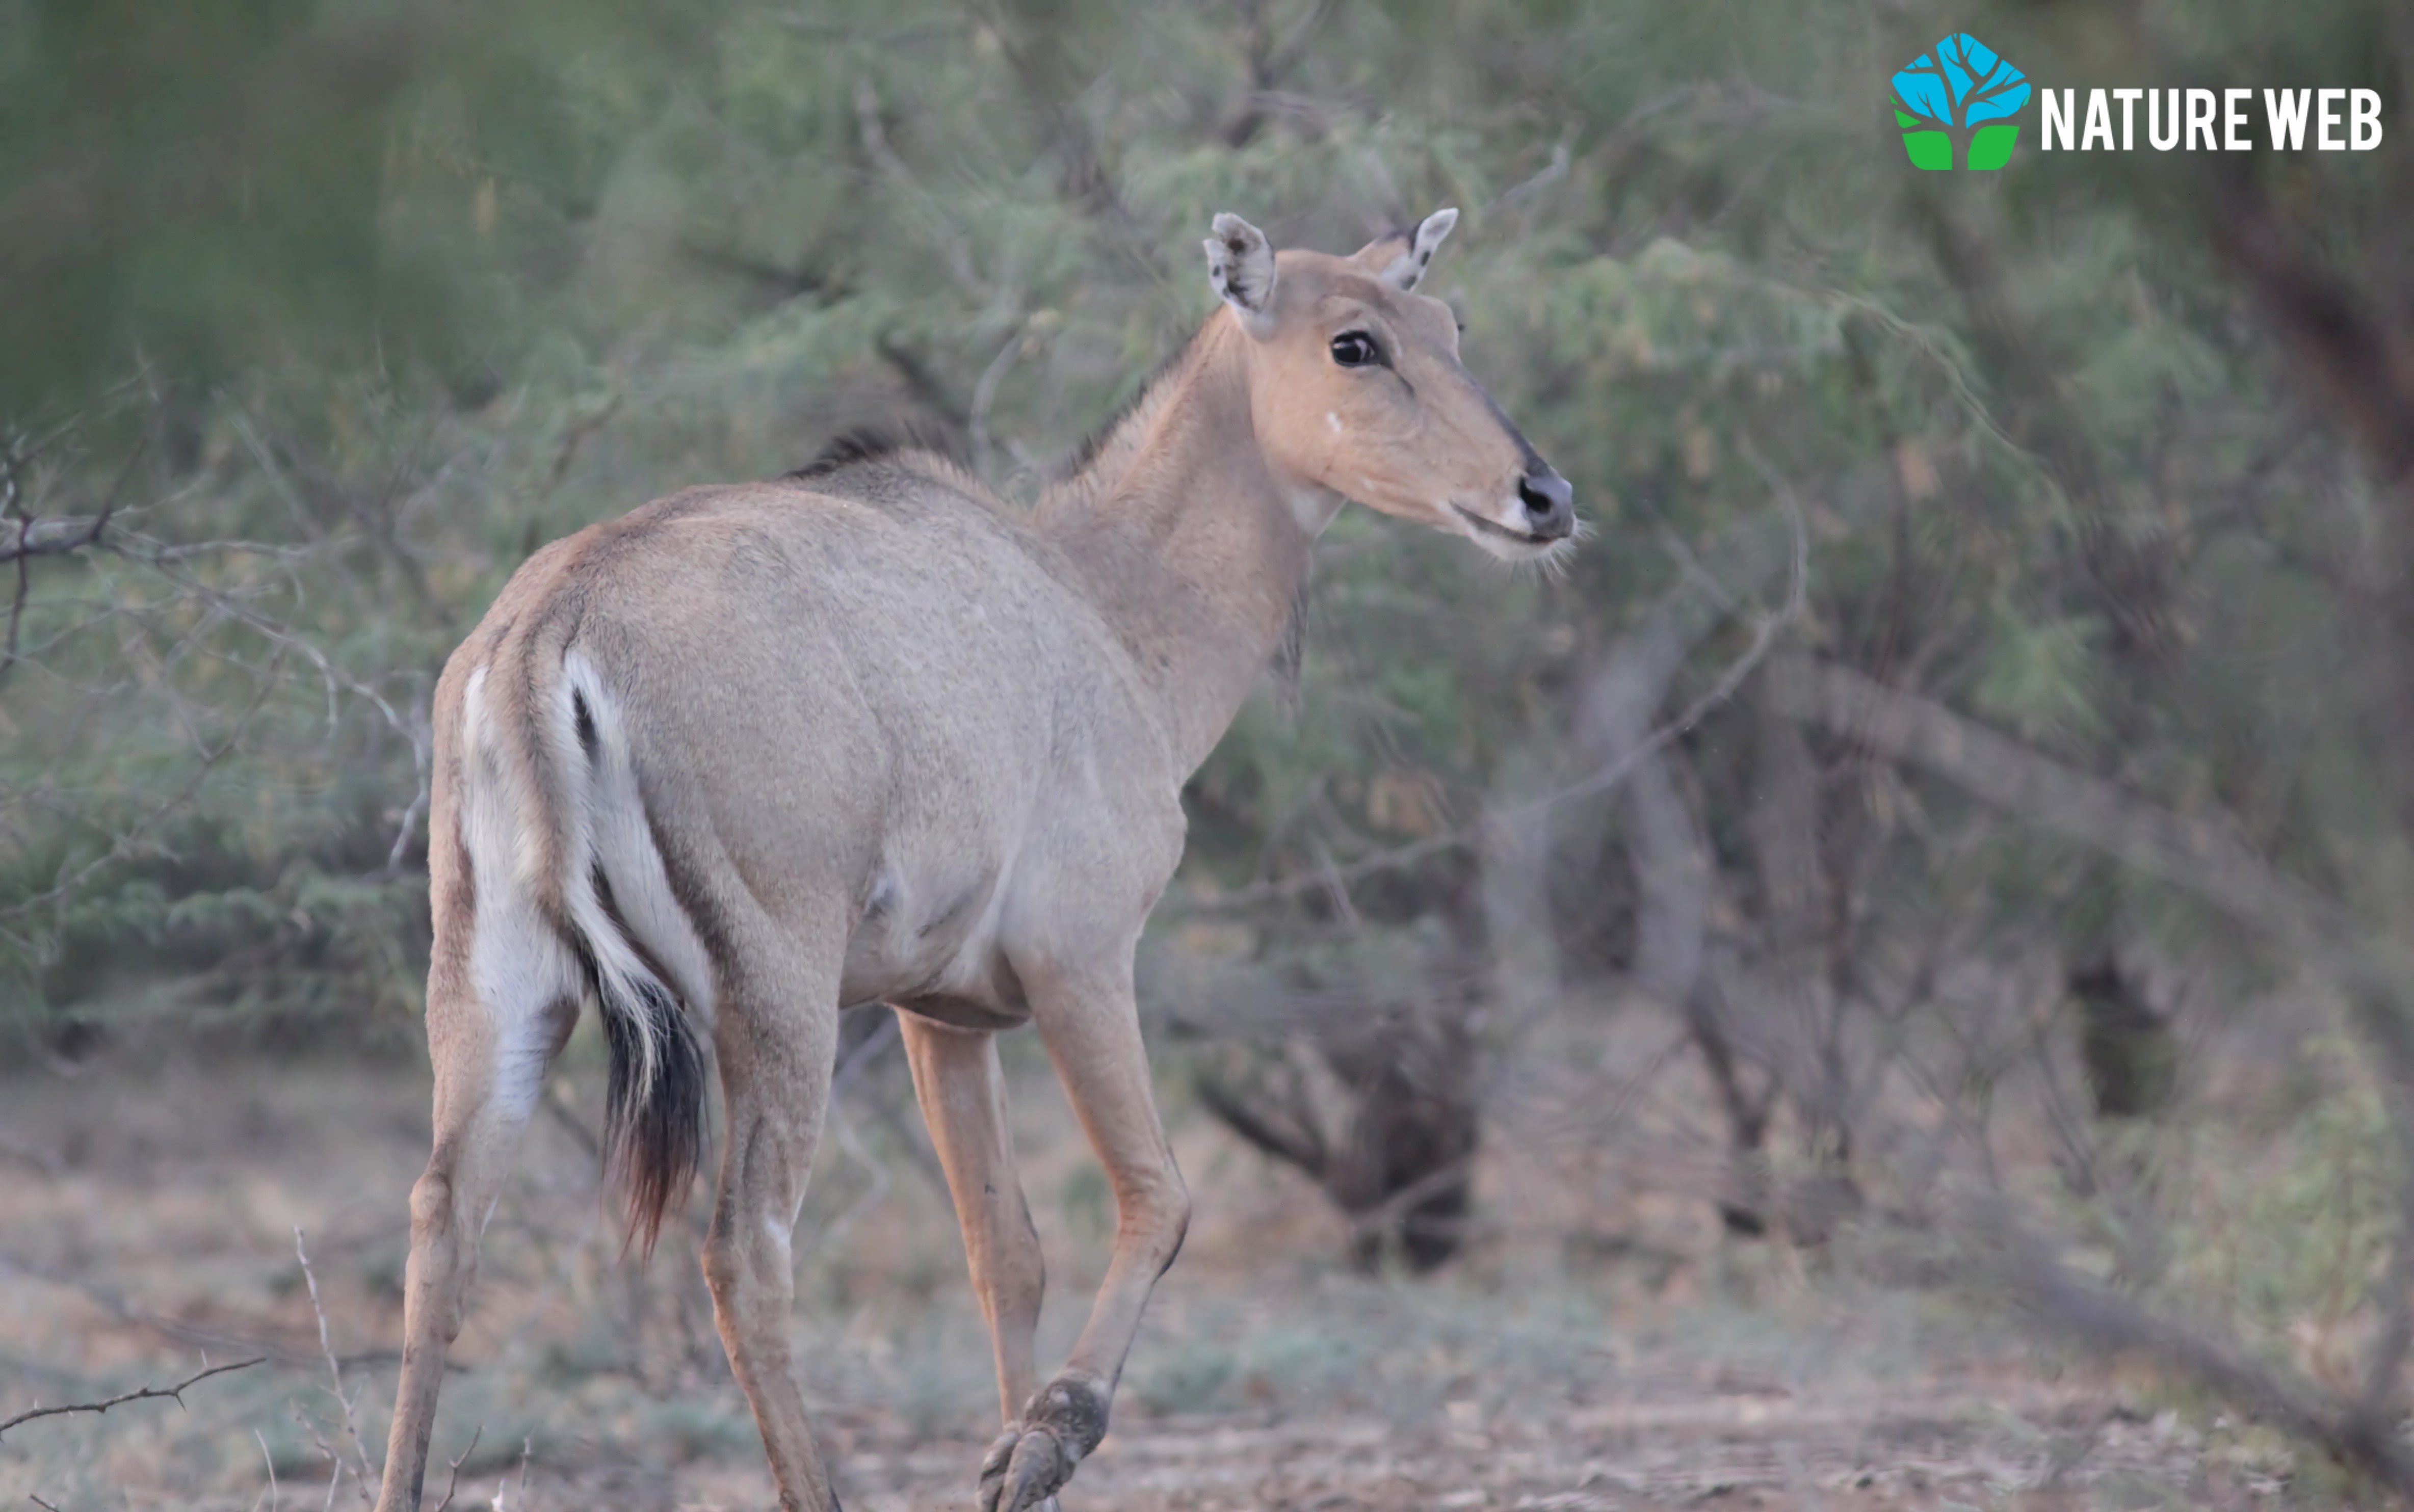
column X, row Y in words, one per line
column 1962, row 93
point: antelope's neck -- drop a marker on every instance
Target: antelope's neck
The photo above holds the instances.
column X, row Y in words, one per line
column 1187, row 541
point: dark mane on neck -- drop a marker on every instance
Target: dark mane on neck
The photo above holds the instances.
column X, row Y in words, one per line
column 1087, row 452
column 1104, row 449
column 879, row 442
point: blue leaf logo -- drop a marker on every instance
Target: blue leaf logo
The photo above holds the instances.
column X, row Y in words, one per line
column 1962, row 86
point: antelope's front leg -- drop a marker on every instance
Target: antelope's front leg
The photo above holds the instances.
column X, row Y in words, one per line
column 961, row 1088
column 1090, row 1023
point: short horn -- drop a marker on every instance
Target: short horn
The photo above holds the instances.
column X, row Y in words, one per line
column 1405, row 272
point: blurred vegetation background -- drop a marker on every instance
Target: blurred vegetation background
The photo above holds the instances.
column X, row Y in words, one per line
column 1974, row 741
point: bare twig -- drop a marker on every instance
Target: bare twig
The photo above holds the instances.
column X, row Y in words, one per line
column 275, row 1498
column 318, row 1441
column 335, row 1373
column 174, row 1393
column 453, row 1481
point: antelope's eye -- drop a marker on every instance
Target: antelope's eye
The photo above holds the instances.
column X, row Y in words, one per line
column 1355, row 348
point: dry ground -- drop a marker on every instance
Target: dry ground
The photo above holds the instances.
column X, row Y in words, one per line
column 147, row 1210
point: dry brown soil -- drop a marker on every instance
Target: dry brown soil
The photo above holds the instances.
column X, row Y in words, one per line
column 146, row 1219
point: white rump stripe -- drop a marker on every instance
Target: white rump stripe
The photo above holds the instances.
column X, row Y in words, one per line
column 519, row 965
column 610, row 830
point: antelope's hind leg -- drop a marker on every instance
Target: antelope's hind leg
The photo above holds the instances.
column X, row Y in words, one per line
column 492, row 1034
column 776, row 1034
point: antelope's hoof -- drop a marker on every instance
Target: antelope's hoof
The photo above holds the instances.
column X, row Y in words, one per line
column 1023, row 1469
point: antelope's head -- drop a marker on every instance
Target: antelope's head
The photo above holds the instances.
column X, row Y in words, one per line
column 1355, row 386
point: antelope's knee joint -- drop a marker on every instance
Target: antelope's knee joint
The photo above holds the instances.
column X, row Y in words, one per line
column 730, row 1263
column 1177, row 1225
column 1159, row 1219
column 431, row 1206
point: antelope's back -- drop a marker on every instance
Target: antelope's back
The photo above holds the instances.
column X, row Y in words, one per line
column 872, row 680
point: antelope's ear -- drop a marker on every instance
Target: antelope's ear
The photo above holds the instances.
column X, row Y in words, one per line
column 1407, row 267
column 1241, row 265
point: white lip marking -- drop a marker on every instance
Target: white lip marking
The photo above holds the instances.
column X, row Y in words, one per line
column 1508, row 542
column 1332, row 420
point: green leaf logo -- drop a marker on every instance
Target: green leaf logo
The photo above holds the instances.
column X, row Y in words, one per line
column 1963, row 92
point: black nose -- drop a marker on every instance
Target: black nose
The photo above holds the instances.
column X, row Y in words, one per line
column 1550, row 503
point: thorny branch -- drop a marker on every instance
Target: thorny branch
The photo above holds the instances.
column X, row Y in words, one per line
column 107, row 532
column 174, row 1393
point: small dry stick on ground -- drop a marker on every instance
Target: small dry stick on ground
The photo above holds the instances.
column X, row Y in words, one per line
column 174, row 1393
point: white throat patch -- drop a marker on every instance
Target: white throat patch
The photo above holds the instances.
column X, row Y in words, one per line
column 1313, row 508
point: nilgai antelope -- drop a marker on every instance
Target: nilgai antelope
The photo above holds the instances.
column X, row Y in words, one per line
column 865, row 734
